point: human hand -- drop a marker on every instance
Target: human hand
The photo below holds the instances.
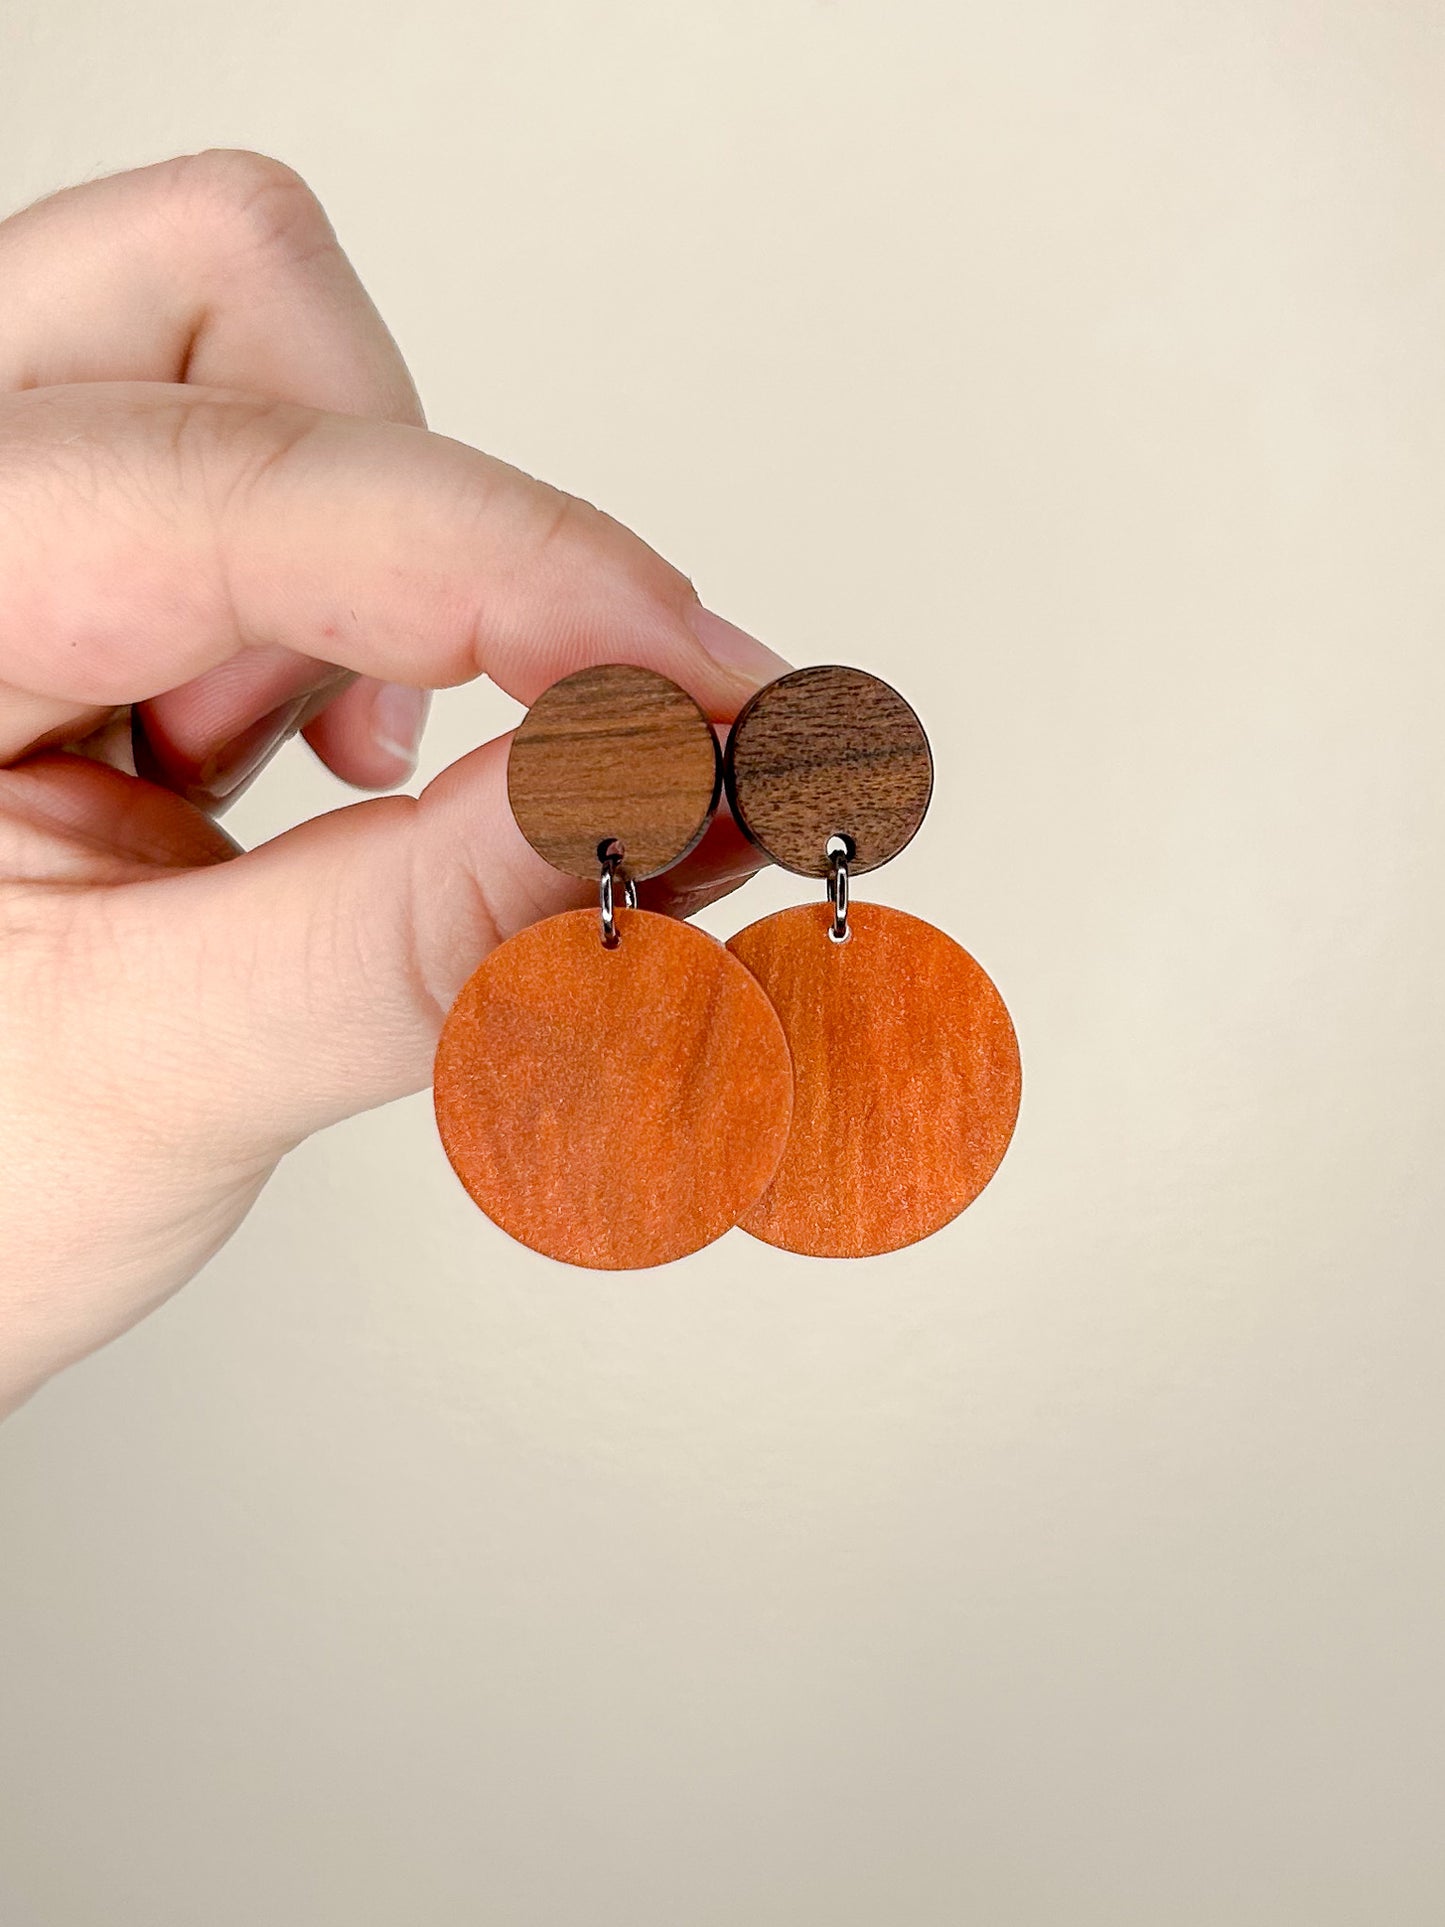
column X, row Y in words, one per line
column 220, row 514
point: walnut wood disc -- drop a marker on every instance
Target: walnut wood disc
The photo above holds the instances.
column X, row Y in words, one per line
column 907, row 1079
column 823, row 752
column 613, row 753
column 613, row 1108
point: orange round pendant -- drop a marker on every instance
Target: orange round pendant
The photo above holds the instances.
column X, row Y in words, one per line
column 907, row 1079
column 613, row 1107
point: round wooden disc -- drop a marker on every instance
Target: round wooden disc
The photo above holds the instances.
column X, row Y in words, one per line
column 613, row 1108
column 823, row 752
column 907, row 1079
column 614, row 754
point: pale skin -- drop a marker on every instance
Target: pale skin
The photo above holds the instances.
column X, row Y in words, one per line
column 220, row 513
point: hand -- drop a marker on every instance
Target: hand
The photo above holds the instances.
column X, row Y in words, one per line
column 222, row 518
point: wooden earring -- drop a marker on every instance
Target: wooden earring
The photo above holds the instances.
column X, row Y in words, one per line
column 906, row 1066
column 612, row 1087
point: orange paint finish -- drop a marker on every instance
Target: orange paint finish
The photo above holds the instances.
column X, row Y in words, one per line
column 613, row 1108
column 907, row 1079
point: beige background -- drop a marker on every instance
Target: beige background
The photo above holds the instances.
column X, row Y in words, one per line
column 1078, row 365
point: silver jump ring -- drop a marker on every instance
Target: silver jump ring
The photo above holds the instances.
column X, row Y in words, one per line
column 607, row 875
column 839, row 851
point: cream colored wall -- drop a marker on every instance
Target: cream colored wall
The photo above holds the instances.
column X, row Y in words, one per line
column 1080, row 365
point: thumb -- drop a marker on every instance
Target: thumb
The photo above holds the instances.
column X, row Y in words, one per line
column 308, row 979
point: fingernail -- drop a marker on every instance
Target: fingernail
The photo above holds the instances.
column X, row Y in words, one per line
column 229, row 768
column 735, row 649
column 398, row 717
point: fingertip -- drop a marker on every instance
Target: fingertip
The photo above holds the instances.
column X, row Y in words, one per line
column 370, row 736
column 398, row 717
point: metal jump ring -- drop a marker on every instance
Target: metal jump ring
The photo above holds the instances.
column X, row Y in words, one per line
column 610, row 869
column 839, row 851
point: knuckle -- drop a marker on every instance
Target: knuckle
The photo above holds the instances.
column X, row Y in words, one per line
column 562, row 520
column 571, row 535
column 251, row 203
column 566, row 526
column 224, row 446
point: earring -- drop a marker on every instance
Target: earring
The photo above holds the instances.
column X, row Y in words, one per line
column 612, row 1087
column 905, row 1059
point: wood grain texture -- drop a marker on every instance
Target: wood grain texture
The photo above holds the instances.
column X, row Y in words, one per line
column 614, row 752
column 613, row 1108
column 828, row 751
column 907, row 1079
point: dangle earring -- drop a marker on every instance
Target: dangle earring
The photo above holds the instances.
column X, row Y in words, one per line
column 612, row 1087
column 905, row 1059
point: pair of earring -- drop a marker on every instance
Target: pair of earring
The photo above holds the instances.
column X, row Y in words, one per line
column 616, row 1088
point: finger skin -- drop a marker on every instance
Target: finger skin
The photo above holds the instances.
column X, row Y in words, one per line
column 147, row 532
column 221, row 269
column 218, row 269
column 211, row 738
column 64, row 819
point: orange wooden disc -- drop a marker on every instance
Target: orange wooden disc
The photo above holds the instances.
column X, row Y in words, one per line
column 907, row 1079
column 613, row 1108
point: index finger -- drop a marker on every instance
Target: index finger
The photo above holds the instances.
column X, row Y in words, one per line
column 147, row 531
